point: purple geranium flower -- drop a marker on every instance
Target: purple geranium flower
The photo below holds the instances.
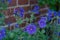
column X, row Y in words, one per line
column 31, row 29
column 9, row 1
column 55, row 13
column 36, row 9
column 49, row 15
column 22, row 9
column 50, row 12
column 2, row 33
column 58, row 14
column 42, row 22
column 16, row 25
column 21, row 12
column 49, row 18
column 15, row 12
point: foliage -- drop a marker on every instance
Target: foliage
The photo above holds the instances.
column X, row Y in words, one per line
column 52, row 3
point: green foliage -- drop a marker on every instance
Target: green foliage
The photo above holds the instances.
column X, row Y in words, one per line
column 19, row 21
column 51, row 3
column 32, row 17
column 2, row 17
column 3, row 5
column 19, row 33
column 15, row 34
column 27, row 19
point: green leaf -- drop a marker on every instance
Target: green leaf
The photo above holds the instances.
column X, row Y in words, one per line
column 19, row 21
column 27, row 19
column 43, row 31
column 32, row 17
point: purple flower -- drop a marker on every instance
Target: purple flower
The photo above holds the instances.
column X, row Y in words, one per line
column 43, row 19
column 21, row 12
column 15, row 12
column 42, row 22
column 58, row 14
column 49, row 16
column 9, row 1
column 55, row 13
column 2, row 33
column 36, row 9
column 22, row 9
column 31, row 29
column 50, row 12
column 16, row 25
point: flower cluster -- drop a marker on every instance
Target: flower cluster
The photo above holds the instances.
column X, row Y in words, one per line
column 20, row 13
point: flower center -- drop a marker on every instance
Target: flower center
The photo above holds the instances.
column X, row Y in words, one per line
column 31, row 29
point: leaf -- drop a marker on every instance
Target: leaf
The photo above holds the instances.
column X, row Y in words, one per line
column 32, row 17
column 19, row 21
column 43, row 31
column 27, row 19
